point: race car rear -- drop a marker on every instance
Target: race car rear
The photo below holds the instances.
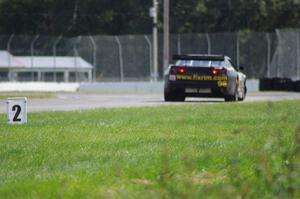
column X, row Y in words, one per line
column 183, row 81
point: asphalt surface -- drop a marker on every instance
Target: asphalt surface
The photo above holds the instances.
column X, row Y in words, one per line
column 83, row 101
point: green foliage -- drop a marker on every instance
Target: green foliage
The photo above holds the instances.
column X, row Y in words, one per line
column 82, row 17
column 75, row 17
column 30, row 95
column 234, row 15
column 248, row 150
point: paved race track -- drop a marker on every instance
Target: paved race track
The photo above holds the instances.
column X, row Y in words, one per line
column 80, row 101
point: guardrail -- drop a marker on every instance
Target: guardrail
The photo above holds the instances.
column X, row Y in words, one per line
column 279, row 84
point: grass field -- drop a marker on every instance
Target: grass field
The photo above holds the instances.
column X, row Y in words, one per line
column 31, row 95
column 248, row 150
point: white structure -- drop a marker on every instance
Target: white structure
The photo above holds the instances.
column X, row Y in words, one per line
column 44, row 68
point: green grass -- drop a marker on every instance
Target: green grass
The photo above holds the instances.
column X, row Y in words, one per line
column 31, row 95
column 248, row 150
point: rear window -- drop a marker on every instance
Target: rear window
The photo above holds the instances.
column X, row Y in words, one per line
column 199, row 63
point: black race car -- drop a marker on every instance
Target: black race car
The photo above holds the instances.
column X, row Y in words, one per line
column 204, row 76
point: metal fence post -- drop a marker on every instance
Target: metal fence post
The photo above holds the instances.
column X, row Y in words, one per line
column 32, row 49
column 268, row 55
column 154, row 15
column 166, row 35
column 32, row 54
column 238, row 49
column 54, row 54
column 150, row 57
column 9, row 57
column 178, row 44
column 120, row 58
column 208, row 43
column 298, row 61
column 75, row 56
column 94, row 58
column 8, row 48
column 279, row 52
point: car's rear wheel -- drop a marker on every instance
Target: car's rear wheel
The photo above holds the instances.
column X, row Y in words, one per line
column 243, row 94
column 232, row 98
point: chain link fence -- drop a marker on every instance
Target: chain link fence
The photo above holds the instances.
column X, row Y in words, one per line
column 129, row 57
column 286, row 59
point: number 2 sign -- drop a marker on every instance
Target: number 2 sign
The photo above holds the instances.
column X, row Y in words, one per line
column 17, row 110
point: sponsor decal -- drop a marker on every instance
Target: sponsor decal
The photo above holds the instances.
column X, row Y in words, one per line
column 222, row 83
column 172, row 78
column 201, row 78
column 221, row 80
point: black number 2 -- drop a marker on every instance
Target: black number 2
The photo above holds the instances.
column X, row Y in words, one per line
column 17, row 108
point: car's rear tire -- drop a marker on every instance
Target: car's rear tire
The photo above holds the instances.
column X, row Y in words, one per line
column 232, row 98
column 243, row 94
column 229, row 98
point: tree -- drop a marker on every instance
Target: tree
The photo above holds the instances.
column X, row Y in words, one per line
column 81, row 17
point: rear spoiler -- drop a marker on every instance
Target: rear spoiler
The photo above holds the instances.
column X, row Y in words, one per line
column 199, row 57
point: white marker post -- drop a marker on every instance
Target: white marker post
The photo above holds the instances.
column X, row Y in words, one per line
column 17, row 110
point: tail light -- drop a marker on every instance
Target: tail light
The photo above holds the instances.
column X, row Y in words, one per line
column 177, row 70
column 214, row 72
column 218, row 72
column 173, row 70
column 181, row 70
